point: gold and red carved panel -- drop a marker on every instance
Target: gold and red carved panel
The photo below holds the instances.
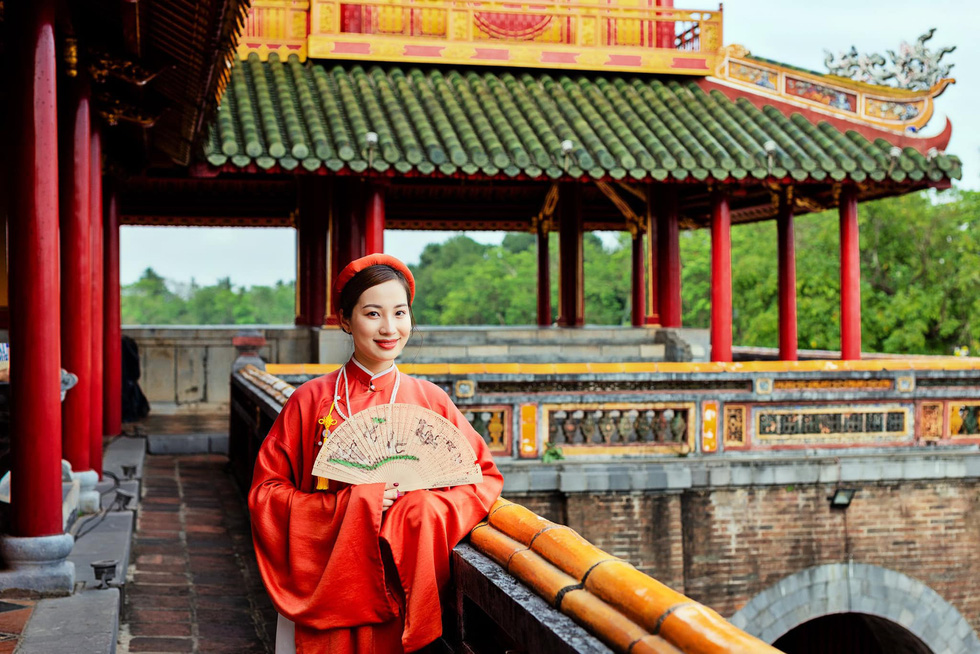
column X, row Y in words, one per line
column 547, row 34
column 588, row 429
column 494, row 424
column 895, row 109
column 931, row 421
column 280, row 26
column 736, row 427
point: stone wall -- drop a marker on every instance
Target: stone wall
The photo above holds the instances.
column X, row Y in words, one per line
column 187, row 369
column 725, row 532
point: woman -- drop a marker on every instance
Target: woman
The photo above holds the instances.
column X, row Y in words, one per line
column 359, row 568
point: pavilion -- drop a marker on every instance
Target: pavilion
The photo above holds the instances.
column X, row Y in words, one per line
column 342, row 119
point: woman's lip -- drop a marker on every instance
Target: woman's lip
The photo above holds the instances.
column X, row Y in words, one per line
column 388, row 345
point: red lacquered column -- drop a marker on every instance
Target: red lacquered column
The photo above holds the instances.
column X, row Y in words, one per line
column 653, row 261
column 544, row 278
column 374, row 232
column 571, row 291
column 665, row 28
column 721, row 279
column 669, row 259
column 35, row 315
column 637, row 288
column 76, row 274
column 850, row 277
column 95, row 232
column 112, row 327
column 787, row 281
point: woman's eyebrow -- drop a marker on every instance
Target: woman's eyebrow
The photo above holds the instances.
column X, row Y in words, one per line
column 378, row 306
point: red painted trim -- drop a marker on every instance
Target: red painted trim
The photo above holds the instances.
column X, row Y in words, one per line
column 424, row 50
column 868, row 131
column 850, row 277
column 493, row 54
column 76, row 272
column 112, row 323
column 689, row 63
column 624, row 60
column 95, row 216
column 559, row 57
column 342, row 47
column 787, row 282
column 35, row 315
column 721, row 279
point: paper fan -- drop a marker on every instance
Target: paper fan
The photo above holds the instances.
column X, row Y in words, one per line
column 403, row 443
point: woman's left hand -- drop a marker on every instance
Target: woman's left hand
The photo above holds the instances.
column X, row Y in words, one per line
column 391, row 494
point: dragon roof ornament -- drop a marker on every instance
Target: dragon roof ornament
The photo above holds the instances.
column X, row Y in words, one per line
column 914, row 67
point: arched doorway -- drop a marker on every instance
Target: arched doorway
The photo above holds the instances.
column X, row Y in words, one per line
column 850, row 633
column 885, row 602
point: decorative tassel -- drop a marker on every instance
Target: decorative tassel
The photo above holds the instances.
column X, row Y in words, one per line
column 322, row 483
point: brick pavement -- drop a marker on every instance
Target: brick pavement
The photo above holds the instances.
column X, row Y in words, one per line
column 193, row 585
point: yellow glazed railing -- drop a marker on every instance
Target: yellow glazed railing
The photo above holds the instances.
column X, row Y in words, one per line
column 626, row 609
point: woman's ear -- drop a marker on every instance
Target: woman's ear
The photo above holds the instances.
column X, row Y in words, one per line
column 344, row 324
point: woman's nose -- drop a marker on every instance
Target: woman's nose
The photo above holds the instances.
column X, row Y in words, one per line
column 387, row 325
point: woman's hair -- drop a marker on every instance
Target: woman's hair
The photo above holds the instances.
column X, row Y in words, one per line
column 368, row 278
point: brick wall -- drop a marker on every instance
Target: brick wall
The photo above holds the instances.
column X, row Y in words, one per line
column 722, row 546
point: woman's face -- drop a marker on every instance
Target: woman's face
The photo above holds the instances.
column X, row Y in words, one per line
column 380, row 324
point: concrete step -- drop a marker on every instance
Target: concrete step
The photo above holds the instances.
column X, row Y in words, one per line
column 85, row 622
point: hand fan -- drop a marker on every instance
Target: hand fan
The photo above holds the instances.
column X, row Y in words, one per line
column 403, row 443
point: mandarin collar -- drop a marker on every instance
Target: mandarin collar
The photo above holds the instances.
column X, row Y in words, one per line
column 381, row 381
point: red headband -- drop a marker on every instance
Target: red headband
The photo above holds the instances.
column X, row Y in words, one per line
column 358, row 265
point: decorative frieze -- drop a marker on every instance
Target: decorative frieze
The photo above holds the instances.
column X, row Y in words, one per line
column 833, row 425
column 650, row 428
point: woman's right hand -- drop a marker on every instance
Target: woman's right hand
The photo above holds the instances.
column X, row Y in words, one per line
column 391, row 494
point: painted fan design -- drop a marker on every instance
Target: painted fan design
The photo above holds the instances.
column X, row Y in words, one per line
column 403, row 443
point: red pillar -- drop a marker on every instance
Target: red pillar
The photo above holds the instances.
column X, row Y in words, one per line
column 35, row 315
column 374, row 232
column 665, row 28
column 721, row 279
column 850, row 277
column 787, row 280
column 544, row 277
column 653, row 262
column 571, row 286
column 311, row 233
column 76, row 272
column 638, row 286
column 668, row 258
column 95, row 202
column 112, row 322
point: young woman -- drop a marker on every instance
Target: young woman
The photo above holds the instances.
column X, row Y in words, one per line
column 358, row 569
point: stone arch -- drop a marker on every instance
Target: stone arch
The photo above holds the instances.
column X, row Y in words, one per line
column 858, row 588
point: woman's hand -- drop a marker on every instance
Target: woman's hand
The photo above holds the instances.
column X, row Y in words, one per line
column 391, row 494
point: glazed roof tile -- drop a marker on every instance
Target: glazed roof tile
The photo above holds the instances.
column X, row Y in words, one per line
column 287, row 114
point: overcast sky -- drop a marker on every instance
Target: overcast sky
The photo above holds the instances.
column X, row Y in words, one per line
column 789, row 31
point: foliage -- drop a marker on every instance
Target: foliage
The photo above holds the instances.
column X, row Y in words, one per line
column 152, row 301
column 920, row 277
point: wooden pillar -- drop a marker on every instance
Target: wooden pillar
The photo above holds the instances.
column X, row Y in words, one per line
column 668, row 258
column 544, row 276
column 95, row 232
column 35, row 320
column 721, row 278
column 637, row 282
column 374, row 229
column 312, row 236
column 787, row 279
column 571, row 287
column 76, row 272
column 850, row 277
column 112, row 321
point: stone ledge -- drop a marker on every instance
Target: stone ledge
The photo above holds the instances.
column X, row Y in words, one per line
column 86, row 622
column 701, row 472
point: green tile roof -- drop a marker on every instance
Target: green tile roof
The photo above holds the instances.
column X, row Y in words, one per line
column 445, row 121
